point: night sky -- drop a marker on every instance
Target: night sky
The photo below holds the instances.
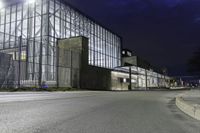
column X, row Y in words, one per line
column 164, row 32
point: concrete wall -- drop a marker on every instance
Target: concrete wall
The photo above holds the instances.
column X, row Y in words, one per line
column 74, row 71
column 132, row 61
column 95, row 78
column 92, row 77
column 68, row 62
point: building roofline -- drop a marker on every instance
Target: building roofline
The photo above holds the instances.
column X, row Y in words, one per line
column 76, row 9
column 89, row 17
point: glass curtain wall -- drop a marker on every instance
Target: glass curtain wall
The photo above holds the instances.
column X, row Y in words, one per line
column 140, row 77
column 104, row 46
column 40, row 23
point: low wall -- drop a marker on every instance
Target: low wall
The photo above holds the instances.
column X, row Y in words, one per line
column 189, row 109
column 95, row 78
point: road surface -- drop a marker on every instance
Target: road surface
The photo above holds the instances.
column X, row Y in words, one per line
column 94, row 112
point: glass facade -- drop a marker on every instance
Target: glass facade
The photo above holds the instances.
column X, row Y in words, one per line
column 39, row 24
column 140, row 78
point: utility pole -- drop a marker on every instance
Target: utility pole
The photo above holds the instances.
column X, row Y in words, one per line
column 130, row 78
column 146, row 79
column 57, row 61
column 137, row 78
column 40, row 65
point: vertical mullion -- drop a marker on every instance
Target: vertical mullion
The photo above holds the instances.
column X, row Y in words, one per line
column 28, row 37
column 83, row 27
column 105, row 48
column 80, row 25
column 65, row 22
column 10, row 27
column 54, row 31
column 112, row 48
column 70, row 23
column 60, row 20
column 93, row 34
column 15, row 43
column 97, row 45
column 54, row 19
column 4, row 36
column 48, row 64
column 90, row 44
column 41, row 47
column 22, row 20
column 34, row 31
column 75, row 23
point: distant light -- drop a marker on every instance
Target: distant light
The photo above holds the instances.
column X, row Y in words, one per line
column 124, row 80
column 133, row 81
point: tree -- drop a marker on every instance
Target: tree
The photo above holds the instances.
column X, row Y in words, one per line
column 194, row 63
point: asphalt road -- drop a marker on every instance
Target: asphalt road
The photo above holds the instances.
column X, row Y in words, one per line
column 94, row 112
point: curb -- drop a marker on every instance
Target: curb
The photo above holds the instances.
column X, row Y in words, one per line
column 189, row 109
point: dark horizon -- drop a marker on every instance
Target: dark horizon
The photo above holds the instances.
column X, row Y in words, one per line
column 163, row 32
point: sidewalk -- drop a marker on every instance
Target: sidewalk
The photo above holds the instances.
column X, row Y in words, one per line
column 189, row 103
column 192, row 97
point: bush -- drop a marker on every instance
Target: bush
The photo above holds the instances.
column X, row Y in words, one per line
column 58, row 89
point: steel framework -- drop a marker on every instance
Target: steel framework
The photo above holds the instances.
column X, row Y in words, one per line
column 40, row 24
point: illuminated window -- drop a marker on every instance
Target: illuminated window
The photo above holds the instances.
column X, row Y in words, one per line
column 30, row 20
column 133, row 81
column 23, row 56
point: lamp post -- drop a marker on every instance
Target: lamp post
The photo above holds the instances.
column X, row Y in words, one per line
column 146, row 78
column 130, row 78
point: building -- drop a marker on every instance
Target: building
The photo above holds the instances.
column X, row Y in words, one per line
column 127, row 53
column 6, row 70
column 53, row 43
column 29, row 30
column 138, row 74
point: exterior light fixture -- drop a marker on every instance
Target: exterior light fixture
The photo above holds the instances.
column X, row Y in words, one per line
column 124, row 80
column 30, row 1
column 1, row 4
